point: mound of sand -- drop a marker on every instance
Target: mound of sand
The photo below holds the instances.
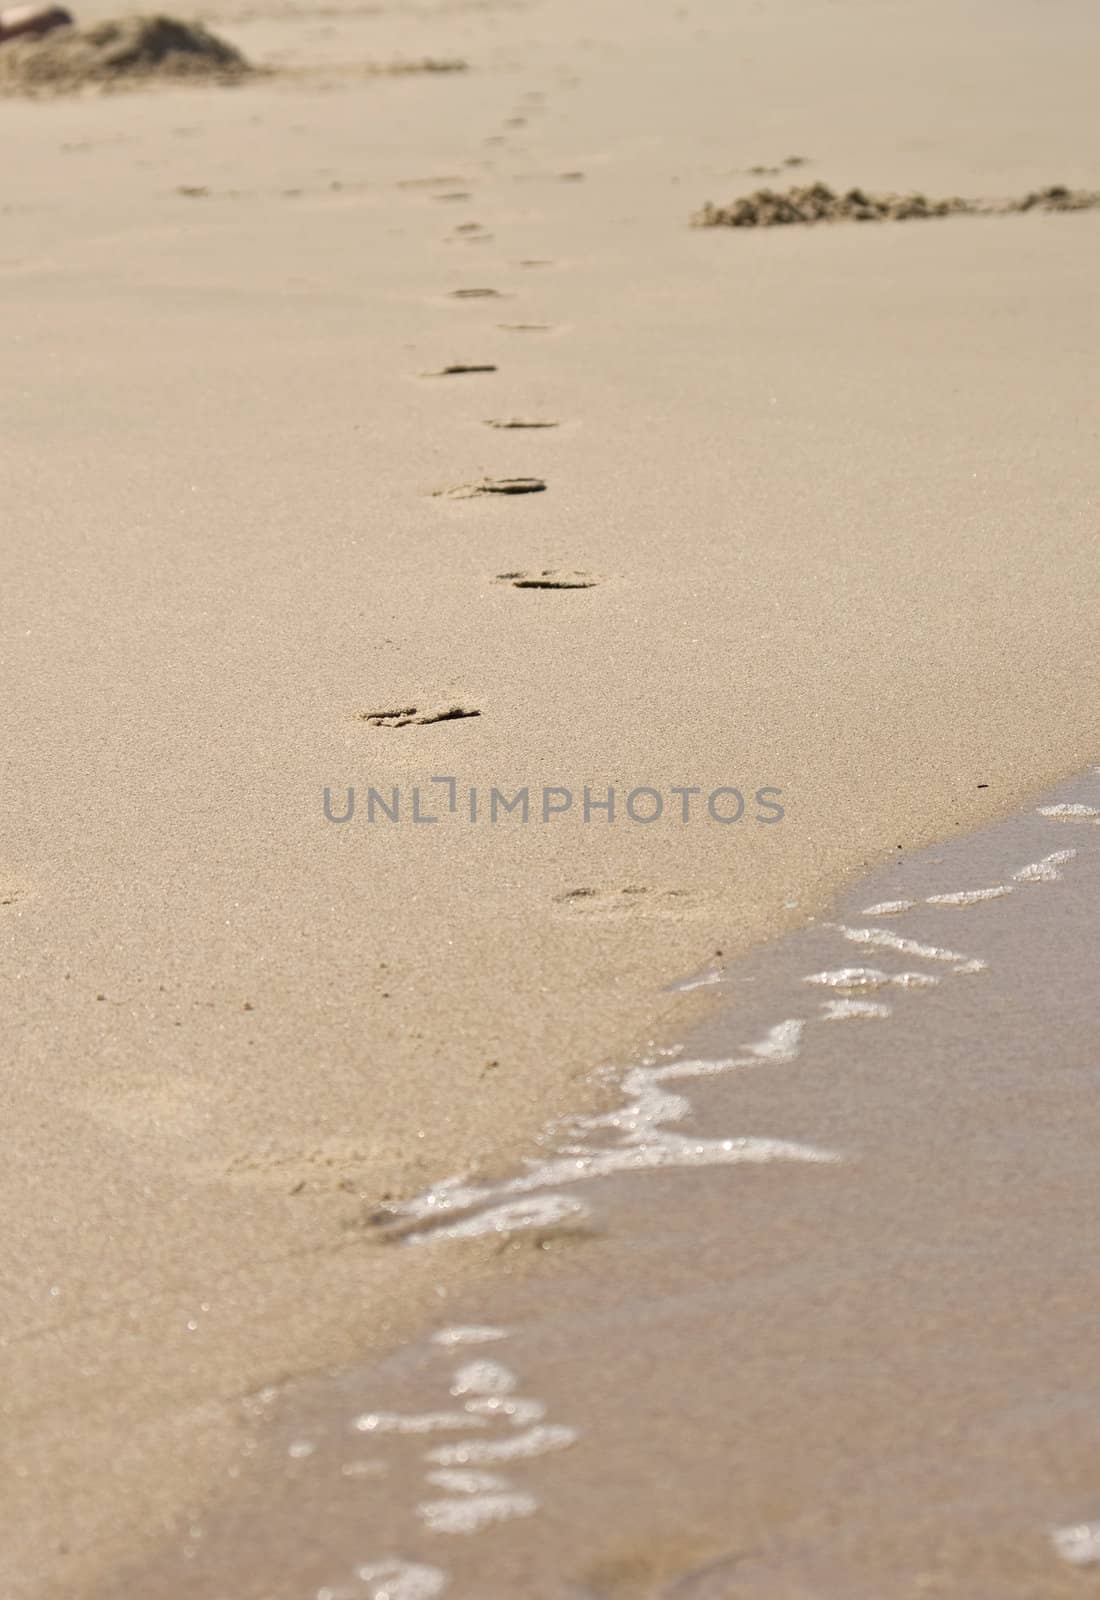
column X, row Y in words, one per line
column 816, row 202
column 117, row 55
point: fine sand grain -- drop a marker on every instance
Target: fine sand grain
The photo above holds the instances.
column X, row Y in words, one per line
column 841, row 483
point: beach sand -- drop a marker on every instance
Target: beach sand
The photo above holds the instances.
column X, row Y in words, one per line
column 837, row 486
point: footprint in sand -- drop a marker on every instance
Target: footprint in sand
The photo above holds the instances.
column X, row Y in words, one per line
column 11, row 894
column 519, row 422
column 659, row 1573
column 490, row 486
column 413, row 716
column 332, row 1165
column 446, row 182
column 470, row 232
column 632, row 900
column 548, row 579
column 476, row 294
column 718, row 1580
column 456, row 368
column 526, row 327
column 152, row 1105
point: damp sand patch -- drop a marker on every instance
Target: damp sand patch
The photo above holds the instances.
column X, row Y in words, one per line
column 816, row 202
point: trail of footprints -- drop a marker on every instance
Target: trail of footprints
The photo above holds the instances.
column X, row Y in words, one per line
column 467, row 1481
column 487, row 488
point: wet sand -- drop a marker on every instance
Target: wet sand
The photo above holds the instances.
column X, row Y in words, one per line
column 835, row 486
column 860, row 1363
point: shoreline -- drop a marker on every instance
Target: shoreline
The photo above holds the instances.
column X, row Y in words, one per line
column 533, row 1347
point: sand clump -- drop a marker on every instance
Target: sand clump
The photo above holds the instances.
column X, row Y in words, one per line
column 119, row 54
column 816, row 202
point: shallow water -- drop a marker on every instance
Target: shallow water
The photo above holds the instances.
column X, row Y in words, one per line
column 815, row 1308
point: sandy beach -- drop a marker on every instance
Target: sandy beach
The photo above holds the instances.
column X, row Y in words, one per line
column 812, row 511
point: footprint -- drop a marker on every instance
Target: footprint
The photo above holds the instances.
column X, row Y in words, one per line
column 526, row 327
column 659, row 1570
column 409, row 716
column 334, row 1164
column 158, row 1104
column 457, row 367
column 11, row 894
column 476, row 294
column 447, row 182
column 519, row 422
column 549, row 580
column 632, row 900
column 711, row 1582
column 468, row 491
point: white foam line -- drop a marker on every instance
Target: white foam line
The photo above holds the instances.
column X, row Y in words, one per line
column 483, row 1378
column 704, row 982
column 537, row 1441
column 468, row 1335
column 883, row 939
column 849, row 978
column 1078, row 1544
column 1071, row 813
column 870, row 978
column 889, row 908
column 518, row 1410
column 471, row 1515
column 781, row 1043
column 843, row 1010
column 456, row 1481
column 1044, row 870
column 644, row 1145
column 429, row 1422
column 399, row 1580
column 969, row 897
column 679, row 1069
column 541, row 1211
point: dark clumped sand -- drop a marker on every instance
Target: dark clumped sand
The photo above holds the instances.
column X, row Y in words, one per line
column 119, row 54
column 816, row 202
column 807, row 1313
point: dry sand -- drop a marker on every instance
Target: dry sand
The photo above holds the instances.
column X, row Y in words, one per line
column 838, row 487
